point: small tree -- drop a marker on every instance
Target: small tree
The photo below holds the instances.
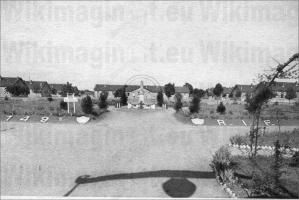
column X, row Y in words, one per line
column 103, row 100
column 218, row 90
column 123, row 97
column 160, row 98
column 195, row 104
column 63, row 105
column 169, row 90
column 178, row 102
column 198, row 92
column 221, row 108
column 86, row 105
column 190, row 87
column 290, row 93
column 67, row 88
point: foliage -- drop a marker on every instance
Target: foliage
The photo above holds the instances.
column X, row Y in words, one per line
column 86, row 105
column 103, row 100
column 76, row 91
column 194, row 105
column 218, row 90
column 123, row 97
column 118, row 92
column 169, row 89
column 198, row 92
column 237, row 139
column 178, row 102
column 222, row 160
column 290, row 93
column 53, row 91
column 6, row 98
column 160, row 98
column 295, row 160
column 221, row 108
column 18, row 90
column 67, row 88
column 261, row 96
column 190, row 87
column 63, row 105
column 50, row 99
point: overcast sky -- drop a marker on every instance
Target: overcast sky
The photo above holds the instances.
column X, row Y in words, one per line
column 109, row 42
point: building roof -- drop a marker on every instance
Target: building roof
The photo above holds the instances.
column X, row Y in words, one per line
column 56, row 86
column 36, row 85
column 130, row 88
column 246, row 88
column 283, row 86
column 8, row 81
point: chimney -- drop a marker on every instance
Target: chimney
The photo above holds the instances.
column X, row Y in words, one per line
column 141, row 84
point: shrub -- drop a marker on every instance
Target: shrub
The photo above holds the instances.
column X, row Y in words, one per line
column 103, row 100
column 237, row 139
column 6, row 98
column 86, row 105
column 222, row 160
column 160, row 100
column 221, row 108
column 63, row 105
column 50, row 99
column 178, row 102
column 195, row 105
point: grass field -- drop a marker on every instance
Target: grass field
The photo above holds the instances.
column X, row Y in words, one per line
column 45, row 159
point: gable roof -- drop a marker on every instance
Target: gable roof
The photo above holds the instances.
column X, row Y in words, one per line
column 181, row 89
column 37, row 85
column 8, row 81
column 56, row 86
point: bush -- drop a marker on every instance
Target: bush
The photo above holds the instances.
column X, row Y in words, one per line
column 237, row 139
column 63, row 105
column 50, row 99
column 222, row 160
column 160, row 100
column 6, row 98
column 221, row 108
column 103, row 100
column 195, row 105
column 86, row 105
column 178, row 102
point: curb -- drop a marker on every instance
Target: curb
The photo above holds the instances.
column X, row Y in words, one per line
column 226, row 188
column 264, row 148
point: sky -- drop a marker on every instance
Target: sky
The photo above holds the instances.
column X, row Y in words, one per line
column 124, row 42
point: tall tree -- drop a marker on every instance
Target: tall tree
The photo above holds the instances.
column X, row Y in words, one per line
column 194, row 105
column 218, row 90
column 103, row 100
column 67, row 89
column 290, row 93
column 198, row 92
column 160, row 98
column 86, row 105
column 190, row 87
column 178, row 101
column 123, row 97
column 169, row 89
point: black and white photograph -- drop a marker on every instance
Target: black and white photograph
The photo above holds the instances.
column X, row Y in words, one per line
column 165, row 99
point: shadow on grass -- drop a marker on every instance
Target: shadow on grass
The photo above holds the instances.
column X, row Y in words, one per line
column 150, row 174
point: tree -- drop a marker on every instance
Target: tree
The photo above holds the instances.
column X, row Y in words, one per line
column 63, row 105
column 86, row 105
column 190, row 87
column 123, row 97
column 198, row 92
column 160, row 98
column 238, row 93
column 221, row 108
column 67, row 88
column 195, row 104
column 118, row 92
column 103, row 100
column 18, row 90
column 290, row 93
column 53, row 91
column 218, row 90
column 178, row 102
column 76, row 91
column 169, row 89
